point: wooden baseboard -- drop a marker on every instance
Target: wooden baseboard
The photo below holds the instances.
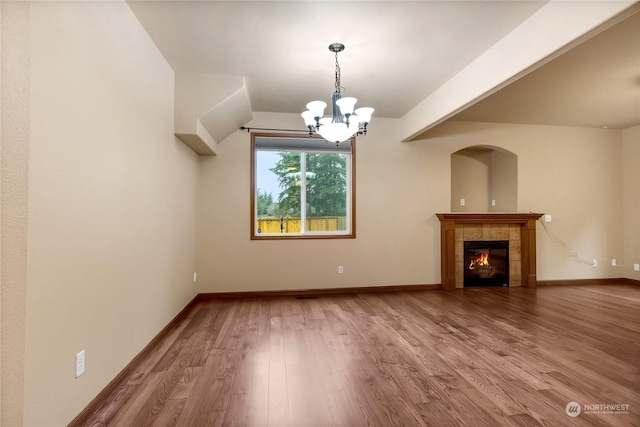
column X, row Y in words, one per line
column 627, row 281
column 309, row 293
column 583, row 282
column 95, row 404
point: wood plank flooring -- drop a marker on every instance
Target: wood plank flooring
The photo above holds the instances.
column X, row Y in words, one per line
column 473, row 357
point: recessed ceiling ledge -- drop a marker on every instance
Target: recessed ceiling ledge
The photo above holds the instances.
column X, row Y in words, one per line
column 209, row 108
column 200, row 141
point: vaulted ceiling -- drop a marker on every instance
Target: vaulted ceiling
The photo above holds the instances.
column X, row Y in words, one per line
column 561, row 63
column 595, row 84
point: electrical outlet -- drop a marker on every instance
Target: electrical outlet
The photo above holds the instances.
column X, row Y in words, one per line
column 462, row 202
column 493, row 202
column 340, row 269
column 636, row 267
column 80, row 364
column 614, row 262
column 595, row 262
column 547, row 218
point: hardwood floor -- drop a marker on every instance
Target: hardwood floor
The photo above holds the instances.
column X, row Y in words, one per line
column 473, row 357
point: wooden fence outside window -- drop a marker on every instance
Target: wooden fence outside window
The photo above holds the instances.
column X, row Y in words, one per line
column 292, row 225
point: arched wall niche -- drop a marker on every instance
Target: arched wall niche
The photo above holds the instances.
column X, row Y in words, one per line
column 484, row 179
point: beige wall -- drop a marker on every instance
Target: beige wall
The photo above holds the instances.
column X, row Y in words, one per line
column 111, row 218
column 503, row 182
column 481, row 175
column 470, row 172
column 99, row 218
column 14, row 137
column 631, row 201
column 572, row 173
column 397, row 234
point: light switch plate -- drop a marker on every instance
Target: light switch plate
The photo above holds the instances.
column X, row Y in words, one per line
column 79, row 363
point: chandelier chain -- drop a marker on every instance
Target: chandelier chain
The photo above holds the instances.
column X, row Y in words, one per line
column 338, row 86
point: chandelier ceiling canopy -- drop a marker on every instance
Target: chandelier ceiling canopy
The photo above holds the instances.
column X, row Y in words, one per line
column 345, row 121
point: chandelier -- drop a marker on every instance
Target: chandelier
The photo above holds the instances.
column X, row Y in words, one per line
column 345, row 122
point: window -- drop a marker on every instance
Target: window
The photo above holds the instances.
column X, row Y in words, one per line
column 301, row 187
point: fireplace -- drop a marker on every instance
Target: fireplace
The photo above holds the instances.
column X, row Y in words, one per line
column 519, row 229
column 486, row 263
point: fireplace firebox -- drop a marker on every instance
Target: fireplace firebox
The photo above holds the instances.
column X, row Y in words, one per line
column 486, row 263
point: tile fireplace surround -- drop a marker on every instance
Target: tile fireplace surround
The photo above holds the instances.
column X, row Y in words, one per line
column 518, row 228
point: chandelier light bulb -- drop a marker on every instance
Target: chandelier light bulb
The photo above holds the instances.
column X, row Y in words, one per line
column 338, row 132
column 309, row 118
column 364, row 114
column 317, row 108
column 346, row 104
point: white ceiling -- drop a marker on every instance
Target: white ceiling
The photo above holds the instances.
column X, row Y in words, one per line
column 397, row 54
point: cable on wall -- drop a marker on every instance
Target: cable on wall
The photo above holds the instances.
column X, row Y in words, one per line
column 568, row 252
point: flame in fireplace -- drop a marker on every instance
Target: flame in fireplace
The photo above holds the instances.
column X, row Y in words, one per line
column 482, row 259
